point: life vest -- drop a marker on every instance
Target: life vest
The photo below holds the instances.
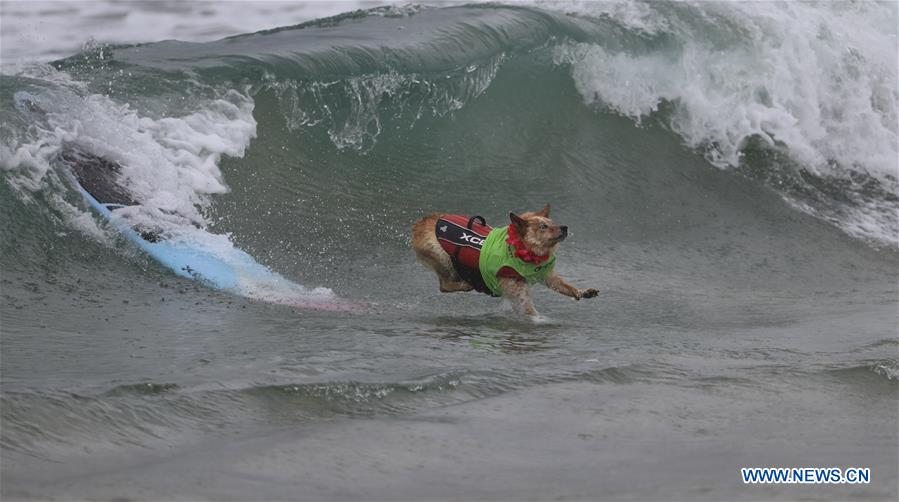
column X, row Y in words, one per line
column 499, row 259
column 481, row 255
column 462, row 237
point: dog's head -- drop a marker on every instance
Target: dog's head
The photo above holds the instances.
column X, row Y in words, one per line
column 538, row 233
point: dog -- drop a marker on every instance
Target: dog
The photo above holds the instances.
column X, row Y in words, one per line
column 467, row 256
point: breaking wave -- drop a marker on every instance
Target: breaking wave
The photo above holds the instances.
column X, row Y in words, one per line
column 801, row 97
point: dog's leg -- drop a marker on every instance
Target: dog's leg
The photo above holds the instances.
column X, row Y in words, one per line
column 431, row 254
column 447, row 286
column 450, row 282
column 519, row 294
column 556, row 283
column 440, row 262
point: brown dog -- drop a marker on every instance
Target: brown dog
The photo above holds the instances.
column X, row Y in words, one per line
column 499, row 262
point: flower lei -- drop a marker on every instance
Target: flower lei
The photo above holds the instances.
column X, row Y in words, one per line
column 522, row 252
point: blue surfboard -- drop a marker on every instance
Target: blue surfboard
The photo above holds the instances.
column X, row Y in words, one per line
column 232, row 270
column 186, row 261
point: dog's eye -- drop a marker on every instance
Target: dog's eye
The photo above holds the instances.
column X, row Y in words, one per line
column 543, row 226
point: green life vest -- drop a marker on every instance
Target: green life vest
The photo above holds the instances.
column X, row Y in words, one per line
column 496, row 253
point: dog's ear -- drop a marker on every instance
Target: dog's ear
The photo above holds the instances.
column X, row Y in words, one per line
column 519, row 222
column 545, row 211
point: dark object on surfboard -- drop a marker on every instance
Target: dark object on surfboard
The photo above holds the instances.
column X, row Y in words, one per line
column 98, row 176
column 101, row 179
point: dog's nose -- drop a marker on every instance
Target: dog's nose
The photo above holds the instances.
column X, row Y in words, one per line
column 564, row 230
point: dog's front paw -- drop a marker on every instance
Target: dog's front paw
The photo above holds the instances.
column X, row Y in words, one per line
column 587, row 293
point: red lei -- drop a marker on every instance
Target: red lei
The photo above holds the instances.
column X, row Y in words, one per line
column 521, row 252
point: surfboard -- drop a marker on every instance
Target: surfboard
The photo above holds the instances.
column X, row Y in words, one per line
column 231, row 269
column 237, row 271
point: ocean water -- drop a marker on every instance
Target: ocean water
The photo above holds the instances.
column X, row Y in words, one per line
column 728, row 172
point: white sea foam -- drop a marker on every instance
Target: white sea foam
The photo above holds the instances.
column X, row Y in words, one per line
column 818, row 79
column 815, row 81
column 170, row 164
column 888, row 369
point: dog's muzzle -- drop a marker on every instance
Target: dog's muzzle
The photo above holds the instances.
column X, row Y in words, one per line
column 564, row 234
